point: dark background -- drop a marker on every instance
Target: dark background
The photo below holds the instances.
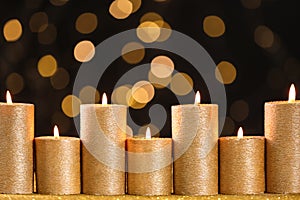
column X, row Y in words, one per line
column 263, row 74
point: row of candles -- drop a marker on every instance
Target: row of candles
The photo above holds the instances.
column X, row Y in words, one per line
column 208, row 165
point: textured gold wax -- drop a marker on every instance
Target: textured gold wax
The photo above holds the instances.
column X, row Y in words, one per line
column 16, row 148
column 282, row 131
column 103, row 135
column 195, row 132
column 157, row 181
column 242, row 169
column 57, row 165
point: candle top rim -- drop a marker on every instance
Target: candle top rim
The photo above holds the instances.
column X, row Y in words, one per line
column 101, row 105
column 16, row 104
column 283, row 102
column 60, row 138
column 245, row 137
column 196, row 105
column 146, row 139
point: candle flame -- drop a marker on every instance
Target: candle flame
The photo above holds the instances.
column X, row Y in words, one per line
column 8, row 97
column 56, row 132
column 240, row 133
column 292, row 93
column 148, row 133
column 197, row 98
column 104, row 99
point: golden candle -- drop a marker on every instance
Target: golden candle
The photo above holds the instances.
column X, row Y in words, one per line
column 282, row 130
column 57, row 164
column 149, row 165
column 195, row 139
column 242, row 169
column 16, row 149
column 103, row 135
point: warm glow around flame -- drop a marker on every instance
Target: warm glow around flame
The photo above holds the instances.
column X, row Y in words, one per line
column 56, row 132
column 8, row 97
column 104, row 99
column 292, row 93
column 148, row 133
column 240, row 133
column 197, row 98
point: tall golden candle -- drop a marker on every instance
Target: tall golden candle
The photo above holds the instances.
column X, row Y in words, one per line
column 16, row 149
column 149, row 165
column 282, row 130
column 57, row 164
column 103, row 135
column 195, row 139
column 242, row 169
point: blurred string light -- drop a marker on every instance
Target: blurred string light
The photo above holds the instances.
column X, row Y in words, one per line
column 47, row 66
column 38, row 22
column 15, row 83
column 12, row 30
column 71, row 105
column 251, row 4
column 48, row 35
column 86, row 23
column 133, row 56
column 263, row 36
column 60, row 79
column 84, row 51
column 213, row 26
column 181, row 84
column 225, row 72
column 89, row 94
column 239, row 110
column 58, row 2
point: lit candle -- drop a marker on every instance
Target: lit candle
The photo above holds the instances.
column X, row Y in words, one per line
column 103, row 135
column 57, row 164
column 282, row 130
column 195, row 139
column 242, row 169
column 149, row 165
column 16, row 149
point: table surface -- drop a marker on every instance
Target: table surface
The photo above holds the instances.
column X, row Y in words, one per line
column 132, row 197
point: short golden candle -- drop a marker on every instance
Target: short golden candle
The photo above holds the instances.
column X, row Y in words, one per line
column 57, row 164
column 242, row 169
column 16, row 149
column 282, row 130
column 149, row 165
column 103, row 135
column 195, row 130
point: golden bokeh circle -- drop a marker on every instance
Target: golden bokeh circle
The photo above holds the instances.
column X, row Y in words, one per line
column 142, row 92
column 119, row 95
column 148, row 32
column 15, row 83
column 86, row 23
column 38, row 22
column 136, row 4
column 157, row 82
column 47, row 66
column 151, row 16
column 239, row 110
column 71, row 105
column 48, row 36
column 60, row 79
column 89, row 94
column 12, row 30
column 225, row 72
column 263, row 36
column 133, row 56
column 120, row 9
column 131, row 102
column 58, row 2
column 162, row 66
column 181, row 84
column 84, row 51
column 165, row 32
column 213, row 26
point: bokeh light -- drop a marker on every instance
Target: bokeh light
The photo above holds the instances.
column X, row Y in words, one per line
column 148, row 32
column 133, row 56
column 47, row 66
column 86, row 23
column 89, row 94
column 142, row 92
column 12, row 30
column 120, row 94
column 132, row 102
column 251, row 4
column 162, row 66
column 151, row 17
column 136, row 4
column 58, row 2
column 159, row 82
column 15, row 83
column 48, row 36
column 38, row 22
column 84, row 51
column 239, row 110
column 181, row 84
column 225, row 72
column 165, row 32
column 263, row 36
column 71, row 105
column 120, row 9
column 213, row 26
column 60, row 79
